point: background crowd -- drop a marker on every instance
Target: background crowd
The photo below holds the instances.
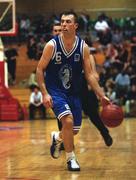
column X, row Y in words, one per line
column 112, row 41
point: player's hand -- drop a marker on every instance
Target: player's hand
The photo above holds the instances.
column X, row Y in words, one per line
column 105, row 101
column 47, row 101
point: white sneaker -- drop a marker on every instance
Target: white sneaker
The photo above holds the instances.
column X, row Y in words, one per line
column 55, row 146
column 73, row 165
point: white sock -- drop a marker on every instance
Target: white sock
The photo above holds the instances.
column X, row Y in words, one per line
column 70, row 155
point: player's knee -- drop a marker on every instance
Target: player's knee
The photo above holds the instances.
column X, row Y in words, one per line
column 68, row 125
column 67, row 122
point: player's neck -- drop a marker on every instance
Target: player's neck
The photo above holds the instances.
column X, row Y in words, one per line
column 69, row 40
column 69, row 43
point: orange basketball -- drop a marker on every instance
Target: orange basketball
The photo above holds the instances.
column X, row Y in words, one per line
column 112, row 115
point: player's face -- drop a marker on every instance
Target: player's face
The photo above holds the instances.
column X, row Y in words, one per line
column 56, row 30
column 68, row 24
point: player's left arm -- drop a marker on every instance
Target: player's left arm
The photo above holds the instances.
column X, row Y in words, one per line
column 93, row 66
column 90, row 75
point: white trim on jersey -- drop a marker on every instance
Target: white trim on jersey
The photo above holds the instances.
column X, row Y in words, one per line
column 68, row 54
column 54, row 49
column 82, row 48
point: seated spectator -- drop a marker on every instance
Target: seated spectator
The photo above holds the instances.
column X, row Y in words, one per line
column 36, row 103
column 103, row 30
column 101, row 25
column 122, row 85
column 117, row 37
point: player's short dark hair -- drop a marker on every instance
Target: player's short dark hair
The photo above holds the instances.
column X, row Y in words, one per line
column 70, row 13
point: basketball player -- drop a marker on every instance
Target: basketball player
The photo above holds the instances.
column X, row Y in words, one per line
column 59, row 74
column 90, row 104
column 56, row 29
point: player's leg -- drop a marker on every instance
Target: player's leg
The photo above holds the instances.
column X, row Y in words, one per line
column 96, row 120
column 61, row 110
column 67, row 132
column 64, row 114
column 93, row 112
column 76, row 110
column 32, row 109
column 91, row 107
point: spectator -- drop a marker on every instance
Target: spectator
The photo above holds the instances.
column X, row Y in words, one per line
column 11, row 55
column 83, row 22
column 24, row 27
column 117, row 37
column 111, row 53
column 32, row 49
column 103, row 30
column 125, row 54
column 101, row 25
column 36, row 103
column 110, row 90
column 122, row 84
column 40, row 47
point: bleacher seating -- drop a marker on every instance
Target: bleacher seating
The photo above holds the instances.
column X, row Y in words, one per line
column 24, row 65
column 22, row 94
column 10, row 108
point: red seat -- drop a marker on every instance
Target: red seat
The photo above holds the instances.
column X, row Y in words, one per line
column 10, row 108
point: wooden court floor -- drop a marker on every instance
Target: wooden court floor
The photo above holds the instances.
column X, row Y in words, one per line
column 24, row 152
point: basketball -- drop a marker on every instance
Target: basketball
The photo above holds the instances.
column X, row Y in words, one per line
column 112, row 115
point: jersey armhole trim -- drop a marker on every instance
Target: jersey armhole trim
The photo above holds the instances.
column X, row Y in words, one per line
column 82, row 48
column 54, row 49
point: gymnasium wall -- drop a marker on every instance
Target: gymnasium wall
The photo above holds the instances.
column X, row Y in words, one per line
column 116, row 8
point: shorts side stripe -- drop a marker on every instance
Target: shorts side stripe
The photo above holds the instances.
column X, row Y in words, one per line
column 77, row 128
column 64, row 113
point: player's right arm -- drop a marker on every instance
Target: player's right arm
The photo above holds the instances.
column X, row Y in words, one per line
column 42, row 65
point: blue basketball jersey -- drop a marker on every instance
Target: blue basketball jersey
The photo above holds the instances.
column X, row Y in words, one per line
column 64, row 71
